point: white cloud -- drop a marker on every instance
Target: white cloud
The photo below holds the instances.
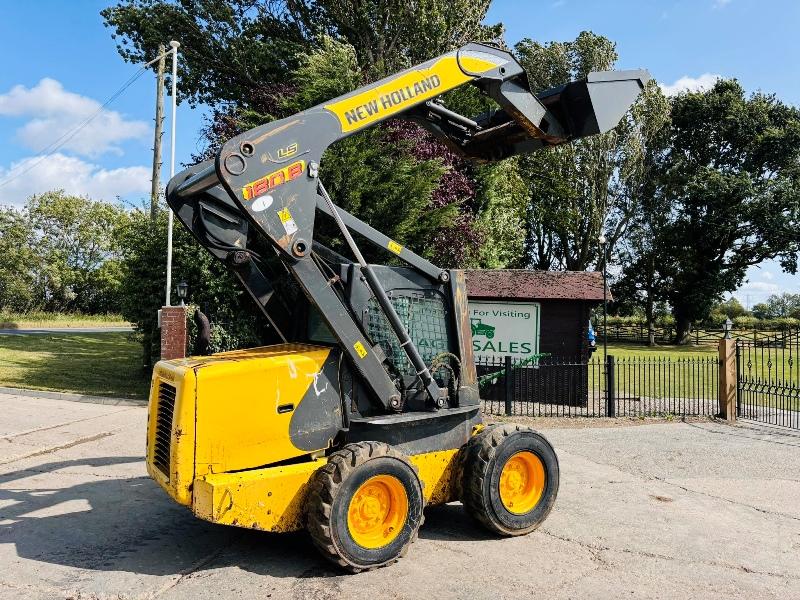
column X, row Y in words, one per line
column 74, row 176
column 54, row 111
column 760, row 287
column 768, row 275
column 690, row 84
column 721, row 3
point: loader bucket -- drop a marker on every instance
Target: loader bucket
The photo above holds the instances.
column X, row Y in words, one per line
column 595, row 104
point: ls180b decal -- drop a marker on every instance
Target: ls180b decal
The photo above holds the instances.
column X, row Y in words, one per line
column 273, row 180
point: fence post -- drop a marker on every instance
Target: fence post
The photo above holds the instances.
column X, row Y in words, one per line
column 611, row 393
column 727, row 379
column 509, row 386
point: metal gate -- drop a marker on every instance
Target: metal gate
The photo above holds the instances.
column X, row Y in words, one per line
column 768, row 378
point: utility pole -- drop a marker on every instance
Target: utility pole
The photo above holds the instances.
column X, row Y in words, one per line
column 155, row 188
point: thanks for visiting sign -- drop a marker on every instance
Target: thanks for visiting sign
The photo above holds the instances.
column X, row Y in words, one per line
column 504, row 329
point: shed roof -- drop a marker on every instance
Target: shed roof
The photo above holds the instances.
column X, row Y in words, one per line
column 523, row 284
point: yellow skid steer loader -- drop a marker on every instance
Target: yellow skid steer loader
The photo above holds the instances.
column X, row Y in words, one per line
column 366, row 408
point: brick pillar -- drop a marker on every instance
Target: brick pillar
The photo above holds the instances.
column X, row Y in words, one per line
column 173, row 332
column 727, row 379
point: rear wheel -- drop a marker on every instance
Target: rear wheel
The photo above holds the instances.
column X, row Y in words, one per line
column 365, row 506
column 510, row 480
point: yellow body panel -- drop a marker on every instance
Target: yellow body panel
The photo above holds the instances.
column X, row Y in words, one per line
column 178, row 482
column 272, row 499
column 439, row 472
column 269, row 499
column 239, row 427
column 225, row 424
column 226, row 411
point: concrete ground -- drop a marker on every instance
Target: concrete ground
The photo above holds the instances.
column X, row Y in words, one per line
column 700, row 510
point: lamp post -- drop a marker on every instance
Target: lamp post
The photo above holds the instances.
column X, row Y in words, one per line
column 602, row 239
column 727, row 326
column 183, row 290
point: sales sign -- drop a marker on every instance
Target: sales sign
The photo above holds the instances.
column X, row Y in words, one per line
column 504, row 329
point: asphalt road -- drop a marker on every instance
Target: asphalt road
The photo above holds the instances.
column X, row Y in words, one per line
column 653, row 511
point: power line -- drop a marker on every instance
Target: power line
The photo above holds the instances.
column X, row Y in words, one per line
column 53, row 146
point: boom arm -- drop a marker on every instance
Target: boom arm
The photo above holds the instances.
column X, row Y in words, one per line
column 267, row 178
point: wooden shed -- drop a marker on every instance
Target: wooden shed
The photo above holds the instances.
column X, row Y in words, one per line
column 565, row 299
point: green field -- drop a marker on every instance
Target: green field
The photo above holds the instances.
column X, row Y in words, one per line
column 620, row 350
column 767, row 363
column 641, row 372
column 103, row 364
column 32, row 320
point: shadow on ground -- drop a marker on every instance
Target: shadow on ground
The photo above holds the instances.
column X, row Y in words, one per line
column 130, row 525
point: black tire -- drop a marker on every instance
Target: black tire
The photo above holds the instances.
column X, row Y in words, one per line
column 331, row 491
column 486, row 455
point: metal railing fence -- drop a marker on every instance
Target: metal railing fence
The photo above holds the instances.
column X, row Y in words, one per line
column 619, row 387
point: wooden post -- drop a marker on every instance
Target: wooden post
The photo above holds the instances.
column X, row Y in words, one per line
column 173, row 332
column 155, row 185
column 727, row 379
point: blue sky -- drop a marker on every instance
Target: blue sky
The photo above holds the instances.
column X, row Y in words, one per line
column 60, row 63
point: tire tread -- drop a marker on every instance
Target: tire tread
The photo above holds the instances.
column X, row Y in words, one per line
column 324, row 487
column 480, row 451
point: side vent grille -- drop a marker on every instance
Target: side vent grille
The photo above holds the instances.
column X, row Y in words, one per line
column 164, row 412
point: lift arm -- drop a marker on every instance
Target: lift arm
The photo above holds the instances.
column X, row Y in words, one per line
column 266, row 179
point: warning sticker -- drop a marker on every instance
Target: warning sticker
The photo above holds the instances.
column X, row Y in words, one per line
column 360, row 350
column 288, row 222
column 394, row 247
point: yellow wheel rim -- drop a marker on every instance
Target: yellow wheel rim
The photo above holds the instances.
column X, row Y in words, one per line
column 377, row 511
column 522, row 482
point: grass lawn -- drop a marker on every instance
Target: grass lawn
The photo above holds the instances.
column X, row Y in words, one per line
column 622, row 350
column 103, row 364
column 639, row 373
column 661, row 371
column 32, row 320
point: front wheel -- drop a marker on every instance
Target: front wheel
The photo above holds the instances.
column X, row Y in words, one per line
column 511, row 478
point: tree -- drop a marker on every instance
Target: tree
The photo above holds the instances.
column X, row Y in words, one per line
column 731, row 308
column 501, row 196
column 143, row 265
column 643, row 281
column 761, row 310
column 732, row 181
column 18, row 261
column 231, row 48
column 578, row 191
column 74, row 236
column 778, row 306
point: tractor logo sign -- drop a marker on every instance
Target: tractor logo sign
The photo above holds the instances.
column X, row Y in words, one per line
column 480, row 328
